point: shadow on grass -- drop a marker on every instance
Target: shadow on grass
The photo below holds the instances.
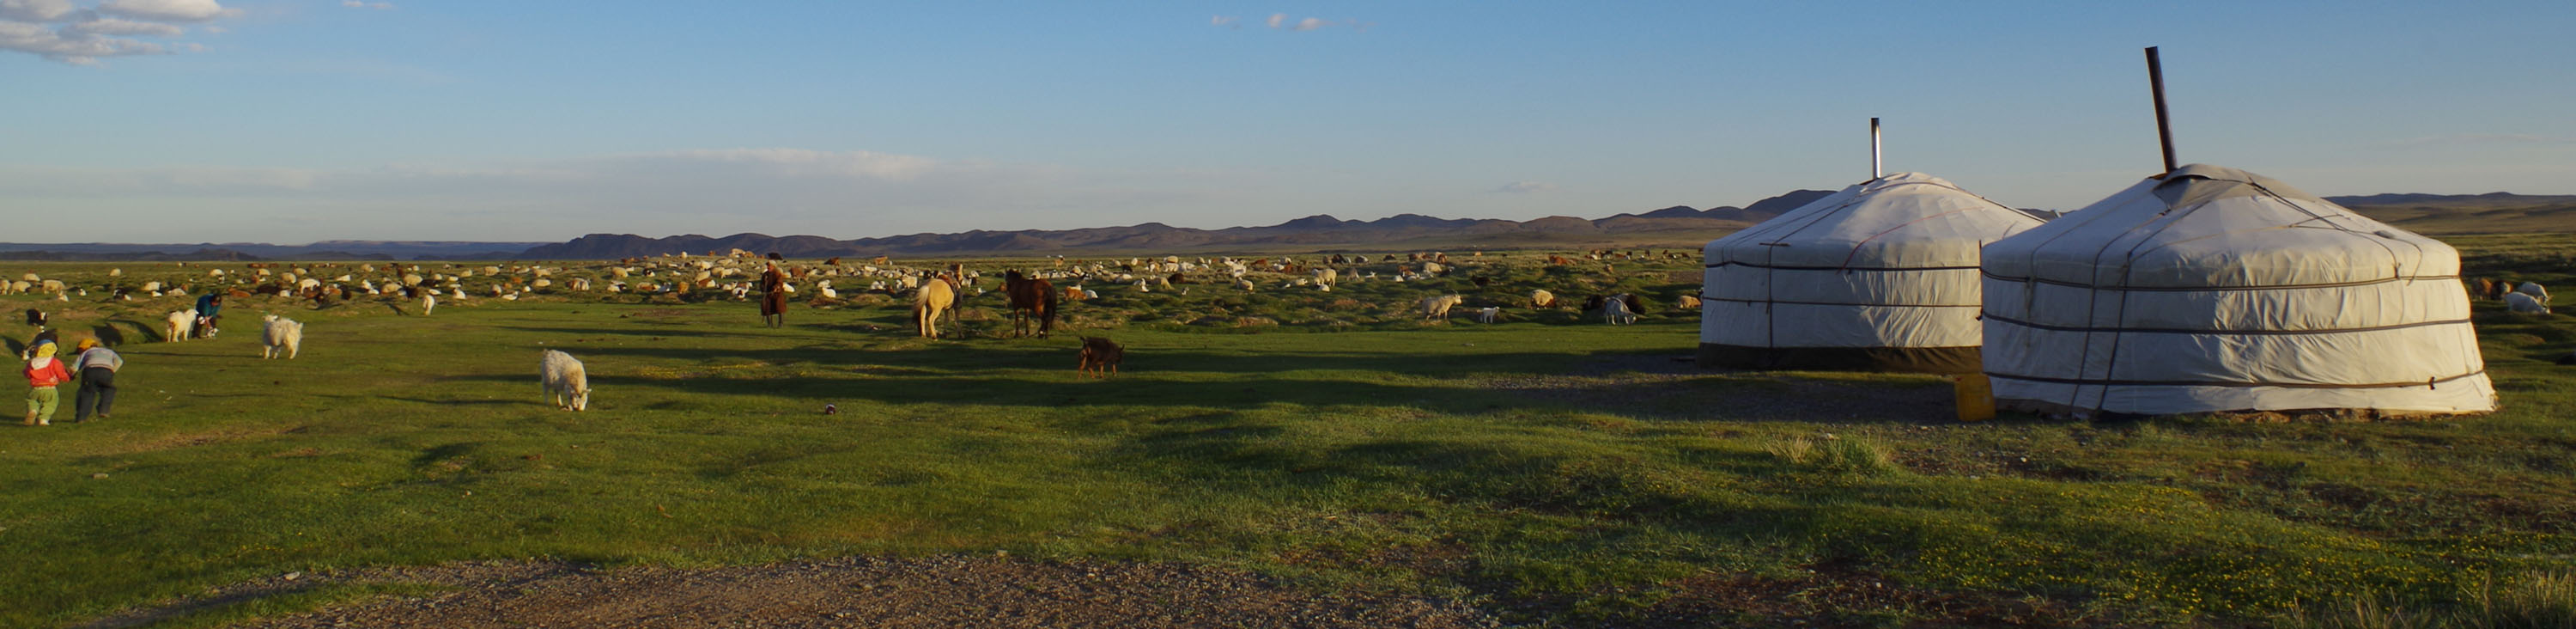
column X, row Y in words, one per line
column 1644, row 384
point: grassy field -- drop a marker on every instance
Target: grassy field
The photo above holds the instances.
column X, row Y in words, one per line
column 1559, row 470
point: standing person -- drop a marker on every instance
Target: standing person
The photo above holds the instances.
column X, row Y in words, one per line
column 43, row 374
column 208, row 307
column 96, row 367
column 773, row 297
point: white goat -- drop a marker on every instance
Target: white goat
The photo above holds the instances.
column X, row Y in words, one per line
column 567, row 386
column 280, row 336
column 1615, row 311
column 1488, row 314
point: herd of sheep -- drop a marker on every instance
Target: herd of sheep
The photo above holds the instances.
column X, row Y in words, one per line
column 735, row 275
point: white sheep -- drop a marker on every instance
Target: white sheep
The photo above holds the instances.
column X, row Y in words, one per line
column 1488, row 314
column 178, row 324
column 1438, row 307
column 1542, row 299
column 2534, row 290
column 2524, row 303
column 428, row 302
column 567, row 386
column 280, row 336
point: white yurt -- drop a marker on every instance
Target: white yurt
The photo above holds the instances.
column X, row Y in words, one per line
column 1881, row 276
column 2214, row 289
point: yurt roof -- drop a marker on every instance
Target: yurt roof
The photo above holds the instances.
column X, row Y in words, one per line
column 1903, row 220
column 2213, row 226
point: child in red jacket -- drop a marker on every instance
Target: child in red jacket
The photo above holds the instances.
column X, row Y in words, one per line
column 43, row 374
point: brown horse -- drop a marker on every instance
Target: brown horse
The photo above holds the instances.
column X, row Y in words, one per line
column 1031, row 299
column 932, row 300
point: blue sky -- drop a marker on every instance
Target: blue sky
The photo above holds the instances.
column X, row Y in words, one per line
column 189, row 120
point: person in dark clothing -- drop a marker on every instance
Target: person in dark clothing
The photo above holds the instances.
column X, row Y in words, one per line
column 207, row 308
column 96, row 367
column 773, row 297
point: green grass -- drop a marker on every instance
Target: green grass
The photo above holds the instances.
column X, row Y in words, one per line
column 1366, row 448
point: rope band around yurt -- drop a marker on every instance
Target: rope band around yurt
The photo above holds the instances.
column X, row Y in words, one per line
column 2064, row 328
column 2228, row 383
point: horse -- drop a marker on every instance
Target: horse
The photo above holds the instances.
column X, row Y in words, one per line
column 932, row 300
column 1031, row 298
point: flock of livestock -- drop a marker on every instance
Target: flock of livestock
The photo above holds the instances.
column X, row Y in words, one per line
column 1034, row 296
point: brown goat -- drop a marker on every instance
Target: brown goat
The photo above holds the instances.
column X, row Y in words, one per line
column 1100, row 357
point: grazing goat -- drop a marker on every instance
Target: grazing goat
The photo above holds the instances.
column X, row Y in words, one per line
column 1488, row 314
column 1438, row 307
column 567, row 386
column 178, row 324
column 1100, row 357
column 1619, row 310
column 35, row 317
column 280, row 336
column 428, row 302
column 2524, row 303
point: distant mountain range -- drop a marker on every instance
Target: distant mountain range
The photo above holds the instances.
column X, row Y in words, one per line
column 1312, row 232
column 2490, row 213
column 2497, row 212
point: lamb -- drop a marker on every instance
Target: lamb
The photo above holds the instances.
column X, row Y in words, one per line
column 2524, row 303
column 1438, row 307
column 566, row 385
column 179, row 323
column 1488, row 314
column 2534, row 290
column 280, row 336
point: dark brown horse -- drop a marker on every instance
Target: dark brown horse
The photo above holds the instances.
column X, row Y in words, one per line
column 1031, row 299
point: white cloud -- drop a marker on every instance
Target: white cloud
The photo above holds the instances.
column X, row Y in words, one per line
column 358, row 4
column 168, row 10
column 114, row 26
column 1280, row 20
column 1222, row 20
column 1525, row 187
column 35, row 10
column 75, row 49
column 63, row 31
